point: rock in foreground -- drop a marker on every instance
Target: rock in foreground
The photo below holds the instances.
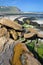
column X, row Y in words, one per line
column 14, row 52
column 22, row 56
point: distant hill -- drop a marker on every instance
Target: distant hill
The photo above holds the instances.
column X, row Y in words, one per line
column 9, row 9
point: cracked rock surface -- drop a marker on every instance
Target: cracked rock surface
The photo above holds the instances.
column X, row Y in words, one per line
column 6, row 50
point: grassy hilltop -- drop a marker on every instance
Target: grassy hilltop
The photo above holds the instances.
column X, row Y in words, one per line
column 9, row 9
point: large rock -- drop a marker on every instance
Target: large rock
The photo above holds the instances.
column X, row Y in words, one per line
column 16, row 53
column 22, row 56
column 11, row 24
column 7, row 51
column 29, row 35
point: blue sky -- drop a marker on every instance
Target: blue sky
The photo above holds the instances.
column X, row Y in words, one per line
column 24, row 5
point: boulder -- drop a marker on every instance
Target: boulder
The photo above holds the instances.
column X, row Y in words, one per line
column 22, row 56
column 11, row 24
column 29, row 35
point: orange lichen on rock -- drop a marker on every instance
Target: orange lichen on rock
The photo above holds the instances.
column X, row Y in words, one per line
column 18, row 51
column 22, row 56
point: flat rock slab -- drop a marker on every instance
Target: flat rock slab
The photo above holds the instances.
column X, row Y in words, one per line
column 28, row 35
column 11, row 24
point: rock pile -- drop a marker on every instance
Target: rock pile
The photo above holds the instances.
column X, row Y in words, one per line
column 13, row 52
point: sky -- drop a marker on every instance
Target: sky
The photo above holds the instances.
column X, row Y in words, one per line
column 24, row 5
